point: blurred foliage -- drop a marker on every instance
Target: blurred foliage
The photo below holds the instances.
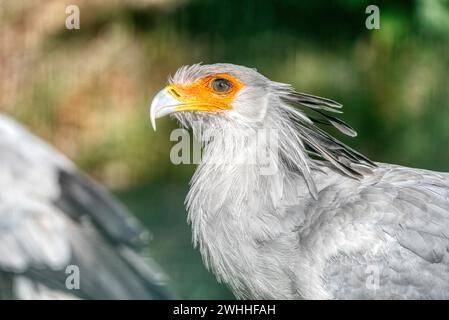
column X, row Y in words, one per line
column 87, row 91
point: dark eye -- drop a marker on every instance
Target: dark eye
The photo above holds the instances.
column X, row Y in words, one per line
column 221, row 85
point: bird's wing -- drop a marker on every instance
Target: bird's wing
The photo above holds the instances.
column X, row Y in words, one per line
column 56, row 224
column 387, row 237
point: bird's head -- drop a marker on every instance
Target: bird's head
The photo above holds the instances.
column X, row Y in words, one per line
column 214, row 92
column 230, row 97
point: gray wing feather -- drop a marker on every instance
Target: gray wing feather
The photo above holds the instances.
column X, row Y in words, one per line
column 393, row 239
column 51, row 217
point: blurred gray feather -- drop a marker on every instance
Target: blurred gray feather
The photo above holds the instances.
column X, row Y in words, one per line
column 51, row 216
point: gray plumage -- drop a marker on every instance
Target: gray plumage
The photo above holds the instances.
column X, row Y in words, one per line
column 329, row 223
column 52, row 217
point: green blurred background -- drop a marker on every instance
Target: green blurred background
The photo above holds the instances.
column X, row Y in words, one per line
column 87, row 91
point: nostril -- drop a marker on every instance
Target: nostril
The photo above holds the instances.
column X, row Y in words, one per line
column 174, row 93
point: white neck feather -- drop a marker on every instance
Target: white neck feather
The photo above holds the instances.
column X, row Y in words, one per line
column 237, row 198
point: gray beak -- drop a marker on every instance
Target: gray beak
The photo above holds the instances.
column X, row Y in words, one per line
column 163, row 104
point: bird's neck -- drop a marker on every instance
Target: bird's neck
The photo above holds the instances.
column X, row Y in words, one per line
column 246, row 167
column 249, row 178
column 239, row 195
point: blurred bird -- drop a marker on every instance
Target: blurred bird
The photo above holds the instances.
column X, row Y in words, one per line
column 328, row 223
column 62, row 236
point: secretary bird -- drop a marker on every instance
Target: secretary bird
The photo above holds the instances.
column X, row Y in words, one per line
column 328, row 223
column 56, row 224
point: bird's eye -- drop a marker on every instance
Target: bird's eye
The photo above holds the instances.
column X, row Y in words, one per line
column 221, row 85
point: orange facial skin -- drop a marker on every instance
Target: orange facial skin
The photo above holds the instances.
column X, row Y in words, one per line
column 201, row 96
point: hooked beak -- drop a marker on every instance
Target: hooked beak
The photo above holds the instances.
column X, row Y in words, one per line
column 169, row 100
column 163, row 104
